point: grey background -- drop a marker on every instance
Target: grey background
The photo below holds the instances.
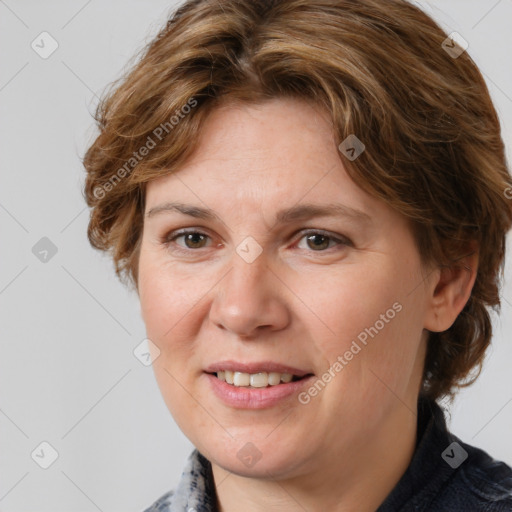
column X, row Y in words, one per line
column 68, row 328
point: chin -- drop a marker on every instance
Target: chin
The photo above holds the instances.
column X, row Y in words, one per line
column 265, row 459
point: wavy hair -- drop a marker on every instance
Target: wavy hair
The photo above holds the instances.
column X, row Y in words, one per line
column 381, row 69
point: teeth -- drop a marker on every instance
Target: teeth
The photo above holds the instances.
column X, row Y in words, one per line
column 274, row 378
column 241, row 379
column 258, row 380
column 255, row 380
column 286, row 377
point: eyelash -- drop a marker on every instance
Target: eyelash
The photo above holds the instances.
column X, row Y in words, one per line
column 168, row 239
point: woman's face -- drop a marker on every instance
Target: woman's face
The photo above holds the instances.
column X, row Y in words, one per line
column 340, row 296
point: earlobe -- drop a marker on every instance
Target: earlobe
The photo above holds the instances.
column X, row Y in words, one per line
column 450, row 292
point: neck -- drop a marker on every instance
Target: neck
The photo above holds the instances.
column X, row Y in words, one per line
column 358, row 478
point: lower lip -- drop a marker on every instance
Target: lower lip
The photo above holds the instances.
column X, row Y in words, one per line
column 255, row 398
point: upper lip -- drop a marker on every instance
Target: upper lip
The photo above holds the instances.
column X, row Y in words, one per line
column 257, row 367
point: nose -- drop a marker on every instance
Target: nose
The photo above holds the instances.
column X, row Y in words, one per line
column 250, row 299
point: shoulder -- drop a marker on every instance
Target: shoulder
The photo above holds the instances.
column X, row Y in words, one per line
column 487, row 478
column 162, row 504
column 480, row 484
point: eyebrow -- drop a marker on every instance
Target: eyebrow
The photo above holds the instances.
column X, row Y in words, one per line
column 295, row 213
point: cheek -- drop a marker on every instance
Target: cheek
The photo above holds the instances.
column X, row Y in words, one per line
column 370, row 317
column 170, row 305
column 167, row 298
column 347, row 302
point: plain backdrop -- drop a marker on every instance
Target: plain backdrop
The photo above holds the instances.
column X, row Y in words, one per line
column 68, row 327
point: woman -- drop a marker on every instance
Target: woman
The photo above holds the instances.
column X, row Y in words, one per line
column 310, row 198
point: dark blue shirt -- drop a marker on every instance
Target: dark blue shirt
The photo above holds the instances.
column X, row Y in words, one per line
column 445, row 475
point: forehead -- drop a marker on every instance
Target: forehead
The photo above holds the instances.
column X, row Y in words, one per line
column 280, row 129
column 263, row 154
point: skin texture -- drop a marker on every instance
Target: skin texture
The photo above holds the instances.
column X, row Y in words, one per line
column 296, row 304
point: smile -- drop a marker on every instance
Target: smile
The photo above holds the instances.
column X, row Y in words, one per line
column 255, row 380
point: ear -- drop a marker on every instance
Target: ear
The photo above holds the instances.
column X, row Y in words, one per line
column 450, row 290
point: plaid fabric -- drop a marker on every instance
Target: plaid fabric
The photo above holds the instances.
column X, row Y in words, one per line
column 195, row 491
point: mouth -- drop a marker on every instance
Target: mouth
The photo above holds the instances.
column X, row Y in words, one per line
column 260, row 385
column 261, row 374
column 257, row 380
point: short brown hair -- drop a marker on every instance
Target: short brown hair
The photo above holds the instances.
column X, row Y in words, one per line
column 433, row 146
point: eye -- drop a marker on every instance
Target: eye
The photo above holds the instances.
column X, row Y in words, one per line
column 319, row 241
column 316, row 240
column 192, row 239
